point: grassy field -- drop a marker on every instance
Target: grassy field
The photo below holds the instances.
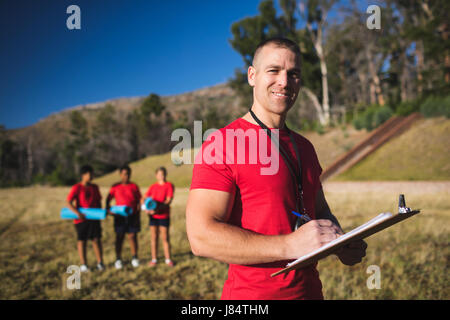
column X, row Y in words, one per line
column 36, row 247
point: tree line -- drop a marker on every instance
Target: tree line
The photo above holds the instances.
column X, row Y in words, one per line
column 346, row 65
column 106, row 139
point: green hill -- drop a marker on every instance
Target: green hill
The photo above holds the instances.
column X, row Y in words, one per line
column 421, row 153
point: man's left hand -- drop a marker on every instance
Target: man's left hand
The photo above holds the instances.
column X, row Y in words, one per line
column 352, row 253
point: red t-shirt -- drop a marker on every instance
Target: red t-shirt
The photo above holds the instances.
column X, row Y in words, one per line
column 160, row 192
column 126, row 195
column 87, row 196
column 263, row 204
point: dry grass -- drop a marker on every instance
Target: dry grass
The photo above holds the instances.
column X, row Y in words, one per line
column 413, row 256
column 36, row 247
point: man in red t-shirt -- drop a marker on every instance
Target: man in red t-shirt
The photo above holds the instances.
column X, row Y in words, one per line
column 86, row 195
column 159, row 219
column 239, row 206
column 126, row 193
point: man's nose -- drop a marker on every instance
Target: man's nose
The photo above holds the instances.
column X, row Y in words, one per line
column 282, row 79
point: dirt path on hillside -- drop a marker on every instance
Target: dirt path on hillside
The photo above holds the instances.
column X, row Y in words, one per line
column 388, row 186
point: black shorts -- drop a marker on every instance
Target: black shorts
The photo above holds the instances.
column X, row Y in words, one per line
column 89, row 229
column 159, row 222
column 130, row 224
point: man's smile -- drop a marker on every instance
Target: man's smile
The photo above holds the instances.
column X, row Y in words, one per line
column 282, row 95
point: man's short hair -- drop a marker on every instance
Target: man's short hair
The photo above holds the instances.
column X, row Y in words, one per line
column 85, row 169
column 163, row 169
column 280, row 43
column 125, row 167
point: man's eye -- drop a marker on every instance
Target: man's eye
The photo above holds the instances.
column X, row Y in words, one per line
column 273, row 70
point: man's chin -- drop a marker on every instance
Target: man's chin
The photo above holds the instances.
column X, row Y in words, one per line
column 280, row 108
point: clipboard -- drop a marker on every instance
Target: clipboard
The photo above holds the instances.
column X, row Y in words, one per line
column 356, row 234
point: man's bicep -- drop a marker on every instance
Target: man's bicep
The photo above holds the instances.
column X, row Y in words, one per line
column 206, row 213
column 206, row 204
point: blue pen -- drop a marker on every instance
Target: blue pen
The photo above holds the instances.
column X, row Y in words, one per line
column 304, row 217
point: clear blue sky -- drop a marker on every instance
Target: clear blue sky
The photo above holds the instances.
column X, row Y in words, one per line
column 124, row 49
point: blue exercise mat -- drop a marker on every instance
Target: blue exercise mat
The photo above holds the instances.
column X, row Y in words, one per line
column 150, row 204
column 89, row 213
column 96, row 213
column 121, row 210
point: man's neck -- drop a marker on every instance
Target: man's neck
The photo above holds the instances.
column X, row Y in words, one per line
column 85, row 183
column 162, row 182
column 125, row 182
column 271, row 120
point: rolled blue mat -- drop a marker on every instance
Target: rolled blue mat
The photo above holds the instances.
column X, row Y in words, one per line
column 89, row 213
column 121, row 210
column 96, row 213
column 150, row 204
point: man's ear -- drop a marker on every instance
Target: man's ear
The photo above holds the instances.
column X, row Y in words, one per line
column 251, row 72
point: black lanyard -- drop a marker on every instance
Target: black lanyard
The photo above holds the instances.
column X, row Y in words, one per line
column 297, row 178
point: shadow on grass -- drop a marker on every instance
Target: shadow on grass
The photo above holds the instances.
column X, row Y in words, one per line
column 11, row 222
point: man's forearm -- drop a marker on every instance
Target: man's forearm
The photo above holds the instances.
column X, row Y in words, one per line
column 210, row 235
column 232, row 244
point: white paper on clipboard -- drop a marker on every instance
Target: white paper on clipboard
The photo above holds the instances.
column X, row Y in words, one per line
column 369, row 224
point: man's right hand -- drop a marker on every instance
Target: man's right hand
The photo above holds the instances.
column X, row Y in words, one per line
column 311, row 236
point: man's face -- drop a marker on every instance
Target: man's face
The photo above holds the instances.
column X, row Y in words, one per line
column 125, row 176
column 275, row 79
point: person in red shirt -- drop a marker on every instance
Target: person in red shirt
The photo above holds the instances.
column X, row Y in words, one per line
column 126, row 193
column 86, row 195
column 159, row 219
column 239, row 209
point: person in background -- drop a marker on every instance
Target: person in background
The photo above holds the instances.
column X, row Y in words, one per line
column 126, row 193
column 86, row 195
column 159, row 219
